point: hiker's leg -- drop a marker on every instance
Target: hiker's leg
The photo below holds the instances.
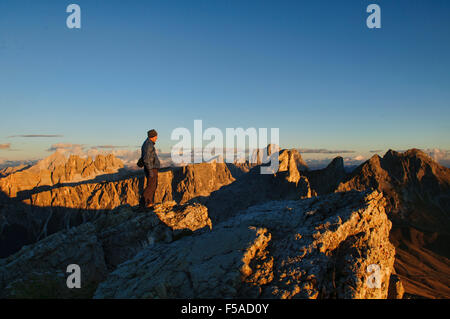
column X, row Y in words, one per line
column 152, row 185
column 147, row 196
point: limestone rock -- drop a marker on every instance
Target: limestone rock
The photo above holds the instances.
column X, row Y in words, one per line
column 262, row 155
column 129, row 230
column 201, row 179
column 417, row 190
column 39, row 270
column 56, row 169
column 396, row 290
column 407, row 179
column 287, row 158
column 270, row 250
column 324, row 181
column 179, row 217
column 254, row 188
column 60, row 207
column 290, row 159
column 10, row 170
column 311, row 248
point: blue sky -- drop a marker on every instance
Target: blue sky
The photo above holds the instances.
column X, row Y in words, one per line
column 311, row 68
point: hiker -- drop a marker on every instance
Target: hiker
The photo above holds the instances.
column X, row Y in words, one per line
column 151, row 164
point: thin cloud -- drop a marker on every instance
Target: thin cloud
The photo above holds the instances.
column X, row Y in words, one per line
column 323, row 151
column 376, row 151
column 322, row 163
column 74, row 148
column 109, row 146
column 36, row 135
column 438, row 155
column 6, row 146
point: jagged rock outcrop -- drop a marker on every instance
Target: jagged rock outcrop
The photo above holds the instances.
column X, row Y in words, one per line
column 325, row 181
column 198, row 196
column 190, row 217
column 10, row 170
column 38, row 270
column 251, row 188
column 291, row 158
column 418, row 203
column 417, row 187
column 262, row 155
column 180, row 184
column 201, row 179
column 287, row 158
column 125, row 232
column 61, row 207
column 57, row 169
column 238, row 169
column 47, row 211
column 396, row 289
column 312, row 248
column 254, row 188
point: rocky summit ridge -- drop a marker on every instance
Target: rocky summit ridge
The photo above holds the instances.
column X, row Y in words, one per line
column 417, row 192
column 285, row 249
column 225, row 230
column 98, row 246
column 322, row 245
column 57, row 169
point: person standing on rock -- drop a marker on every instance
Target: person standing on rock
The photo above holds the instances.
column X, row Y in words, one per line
column 151, row 165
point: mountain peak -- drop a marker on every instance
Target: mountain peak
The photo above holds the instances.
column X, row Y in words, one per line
column 410, row 177
column 337, row 163
column 58, row 168
column 50, row 162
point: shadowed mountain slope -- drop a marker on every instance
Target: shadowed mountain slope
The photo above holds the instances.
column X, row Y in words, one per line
column 55, row 203
column 417, row 190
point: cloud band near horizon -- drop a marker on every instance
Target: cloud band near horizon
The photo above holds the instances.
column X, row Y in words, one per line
column 6, row 146
column 324, row 151
column 36, row 135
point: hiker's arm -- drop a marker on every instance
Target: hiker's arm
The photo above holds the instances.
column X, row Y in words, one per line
column 149, row 156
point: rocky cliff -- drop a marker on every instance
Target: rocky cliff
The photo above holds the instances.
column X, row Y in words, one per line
column 312, row 248
column 321, row 247
column 417, row 187
column 44, row 212
column 57, row 169
column 417, row 190
column 101, row 214
column 39, row 270
column 325, row 181
column 253, row 188
column 10, row 170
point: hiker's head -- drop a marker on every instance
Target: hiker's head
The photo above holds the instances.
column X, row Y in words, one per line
column 152, row 135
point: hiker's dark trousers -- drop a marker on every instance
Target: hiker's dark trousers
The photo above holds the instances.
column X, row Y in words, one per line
column 152, row 182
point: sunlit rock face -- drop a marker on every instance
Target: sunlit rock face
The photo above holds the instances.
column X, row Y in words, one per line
column 38, row 270
column 417, row 191
column 44, row 211
column 226, row 230
column 311, row 248
column 58, row 169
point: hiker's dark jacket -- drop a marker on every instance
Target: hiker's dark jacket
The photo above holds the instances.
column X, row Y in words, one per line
column 149, row 155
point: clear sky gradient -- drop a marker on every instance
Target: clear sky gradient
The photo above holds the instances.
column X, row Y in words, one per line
column 311, row 68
